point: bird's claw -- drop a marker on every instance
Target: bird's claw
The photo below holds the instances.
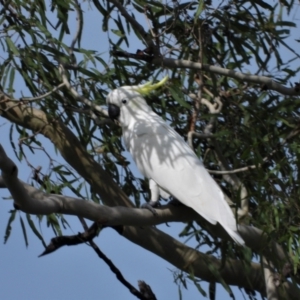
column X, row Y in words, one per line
column 151, row 206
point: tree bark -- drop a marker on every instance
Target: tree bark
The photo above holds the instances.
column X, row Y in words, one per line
column 206, row 267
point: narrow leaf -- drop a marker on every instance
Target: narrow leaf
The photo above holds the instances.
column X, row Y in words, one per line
column 35, row 231
column 24, row 231
column 199, row 10
column 176, row 95
column 12, row 46
column 8, row 226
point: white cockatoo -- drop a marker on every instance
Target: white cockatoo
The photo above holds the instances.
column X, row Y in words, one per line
column 162, row 156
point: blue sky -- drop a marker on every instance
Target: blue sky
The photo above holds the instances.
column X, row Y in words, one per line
column 76, row 272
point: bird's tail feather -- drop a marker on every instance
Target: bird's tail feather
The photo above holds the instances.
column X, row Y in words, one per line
column 235, row 236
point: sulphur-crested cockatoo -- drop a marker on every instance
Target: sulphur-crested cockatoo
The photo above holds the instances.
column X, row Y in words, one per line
column 166, row 159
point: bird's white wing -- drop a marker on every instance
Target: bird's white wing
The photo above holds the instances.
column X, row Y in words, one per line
column 162, row 155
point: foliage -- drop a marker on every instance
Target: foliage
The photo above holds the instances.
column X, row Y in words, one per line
column 255, row 126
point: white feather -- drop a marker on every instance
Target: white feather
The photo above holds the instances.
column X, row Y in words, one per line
column 163, row 156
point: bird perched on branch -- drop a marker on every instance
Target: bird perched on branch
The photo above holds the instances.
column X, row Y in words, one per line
column 166, row 159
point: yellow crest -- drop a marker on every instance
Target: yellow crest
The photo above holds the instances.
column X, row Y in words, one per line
column 148, row 87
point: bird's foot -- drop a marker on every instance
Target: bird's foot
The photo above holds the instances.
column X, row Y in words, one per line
column 151, row 206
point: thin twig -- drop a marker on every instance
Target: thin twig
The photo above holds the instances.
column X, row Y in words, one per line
column 226, row 172
column 71, row 240
column 118, row 273
column 146, row 290
column 247, row 168
column 87, row 237
column 79, row 27
column 77, row 96
column 25, row 99
column 266, row 83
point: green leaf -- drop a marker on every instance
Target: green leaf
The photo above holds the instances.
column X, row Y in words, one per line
column 176, row 93
column 11, row 46
column 5, row 72
column 53, row 222
column 286, row 23
column 198, row 286
column 118, row 32
column 35, row 231
column 199, row 11
column 102, row 61
column 24, row 231
column 265, row 5
column 86, row 72
column 11, row 81
column 8, row 226
column 216, row 273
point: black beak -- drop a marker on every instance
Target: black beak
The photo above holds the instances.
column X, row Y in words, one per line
column 113, row 111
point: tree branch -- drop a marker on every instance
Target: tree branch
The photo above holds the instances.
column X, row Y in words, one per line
column 77, row 96
column 71, row 240
column 291, row 135
column 150, row 238
column 32, row 200
column 87, row 237
column 33, row 99
column 271, row 289
column 146, row 290
column 119, row 275
column 265, row 82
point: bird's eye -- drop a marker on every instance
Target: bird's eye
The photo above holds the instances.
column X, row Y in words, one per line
column 124, row 101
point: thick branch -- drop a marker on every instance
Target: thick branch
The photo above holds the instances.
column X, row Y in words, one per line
column 152, row 239
column 33, row 201
column 166, row 247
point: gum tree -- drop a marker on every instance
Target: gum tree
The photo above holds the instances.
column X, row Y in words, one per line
column 233, row 95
